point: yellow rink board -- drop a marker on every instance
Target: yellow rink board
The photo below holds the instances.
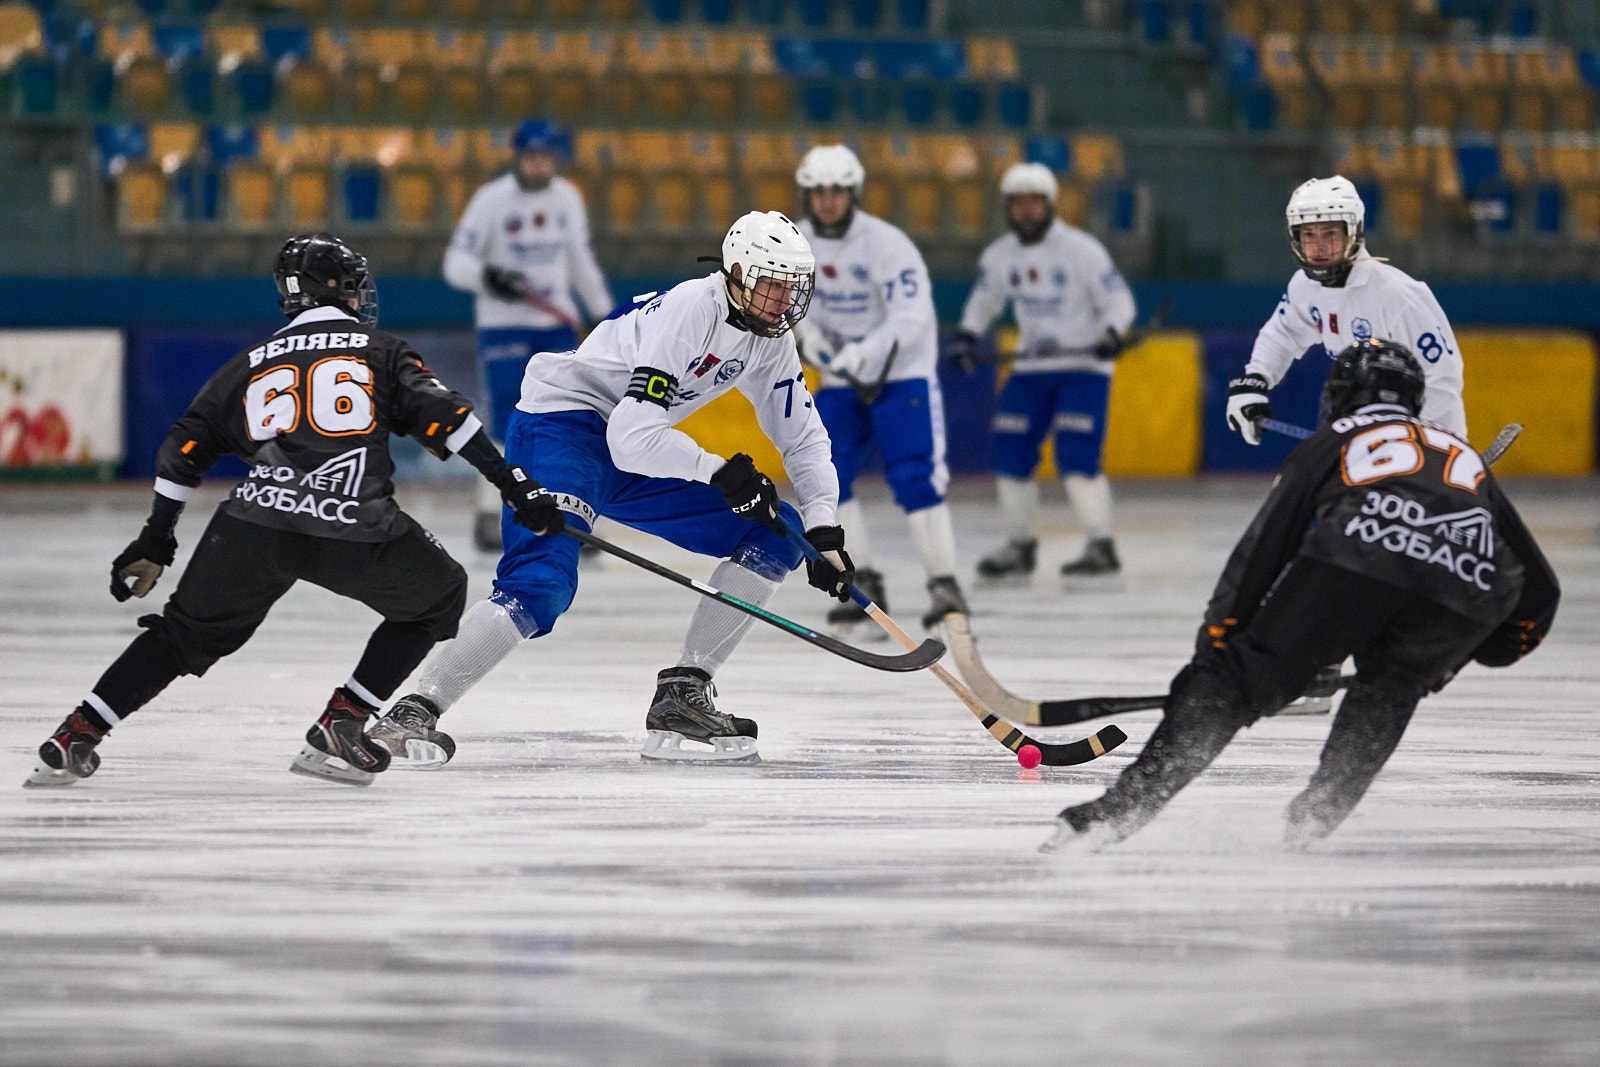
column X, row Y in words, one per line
column 1544, row 379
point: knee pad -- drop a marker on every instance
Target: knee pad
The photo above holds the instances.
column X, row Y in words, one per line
column 1209, row 690
column 912, row 483
column 533, row 610
column 764, row 553
column 191, row 649
column 444, row 615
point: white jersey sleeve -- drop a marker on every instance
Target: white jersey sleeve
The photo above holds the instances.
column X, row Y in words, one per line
column 910, row 323
column 1285, row 337
column 1108, row 291
column 787, row 415
column 988, row 298
column 465, row 257
column 587, row 279
column 1423, row 328
column 640, row 433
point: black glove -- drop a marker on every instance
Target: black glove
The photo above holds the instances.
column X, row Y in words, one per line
column 962, row 351
column 1111, row 345
column 834, row 574
column 749, row 492
column 505, row 283
column 532, row 505
column 1247, row 402
column 142, row 562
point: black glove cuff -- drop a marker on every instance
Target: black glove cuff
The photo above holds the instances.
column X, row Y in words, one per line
column 164, row 512
column 826, row 538
column 482, row 454
column 734, row 474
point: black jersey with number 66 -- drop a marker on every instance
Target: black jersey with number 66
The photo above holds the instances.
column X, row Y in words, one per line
column 311, row 409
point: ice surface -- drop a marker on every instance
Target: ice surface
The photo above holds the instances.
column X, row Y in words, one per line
column 869, row 894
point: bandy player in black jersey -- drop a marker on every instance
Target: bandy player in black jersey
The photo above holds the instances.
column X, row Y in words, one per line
column 311, row 409
column 1384, row 537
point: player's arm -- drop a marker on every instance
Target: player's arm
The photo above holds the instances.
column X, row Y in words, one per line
column 1535, row 611
column 985, row 303
column 1425, row 330
column 207, row 431
column 588, row 281
column 902, row 280
column 1285, row 338
column 466, row 259
column 1112, row 299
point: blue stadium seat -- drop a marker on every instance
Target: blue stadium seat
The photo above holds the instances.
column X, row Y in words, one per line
column 1371, row 193
column 120, row 141
column 918, row 102
column 1524, row 21
column 362, row 186
column 1589, row 66
column 178, row 41
column 966, row 104
column 70, row 31
column 1053, row 152
column 1155, row 20
column 666, row 10
column 901, row 59
column 912, row 14
column 818, row 101
column 813, row 13
column 35, row 78
column 98, row 79
column 869, row 100
column 226, row 143
column 1015, row 102
column 1477, row 163
column 947, row 59
column 1124, row 208
column 280, row 41
column 196, row 85
column 1197, row 15
column 1259, row 107
column 253, row 85
column 766, row 12
column 152, row 7
column 842, row 55
column 864, row 13
column 198, row 187
column 1548, row 208
column 796, row 56
column 716, row 12
column 1244, row 68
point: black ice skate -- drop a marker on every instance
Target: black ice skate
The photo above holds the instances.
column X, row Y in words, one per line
column 486, row 532
column 1099, row 560
column 682, row 712
column 408, row 732
column 68, row 755
column 1318, row 697
column 1014, row 559
column 337, row 750
column 944, row 599
column 847, row 616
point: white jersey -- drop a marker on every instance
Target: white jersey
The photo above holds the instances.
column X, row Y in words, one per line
column 1377, row 300
column 873, row 288
column 543, row 234
column 664, row 356
column 1064, row 291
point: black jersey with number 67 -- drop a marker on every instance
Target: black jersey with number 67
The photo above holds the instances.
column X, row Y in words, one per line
column 311, row 409
column 1385, row 495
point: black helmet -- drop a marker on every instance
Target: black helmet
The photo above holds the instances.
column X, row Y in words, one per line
column 318, row 269
column 1373, row 372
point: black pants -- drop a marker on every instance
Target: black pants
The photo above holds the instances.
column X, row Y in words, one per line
column 240, row 569
column 1404, row 647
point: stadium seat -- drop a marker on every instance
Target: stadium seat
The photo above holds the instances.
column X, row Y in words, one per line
column 1247, row 18
column 198, row 188
column 308, row 190
column 869, row 100
column 226, row 143
column 21, row 31
column 251, row 188
column 35, row 79
column 413, row 195
column 411, row 10
column 361, row 185
column 309, row 87
column 771, row 97
column 623, row 203
column 416, row 90
column 287, row 146
column 117, row 144
column 1279, row 56
column 141, row 197
column 1549, row 203
column 1097, row 157
column 1438, row 94
column 719, row 12
column 814, row 14
column 253, row 85
column 171, row 144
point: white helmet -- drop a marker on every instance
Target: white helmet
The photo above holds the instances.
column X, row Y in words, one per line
column 830, row 165
column 1029, row 179
column 1327, row 200
column 765, row 244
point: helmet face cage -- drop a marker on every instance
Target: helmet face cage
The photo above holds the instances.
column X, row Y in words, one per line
column 1374, row 372
column 319, row 270
column 1327, row 200
column 772, row 310
column 1339, row 269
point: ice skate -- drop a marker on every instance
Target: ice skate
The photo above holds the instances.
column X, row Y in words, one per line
column 337, row 750
column 1070, row 841
column 945, row 598
column 846, row 617
column 68, row 756
column 408, row 732
column 486, row 532
column 1013, row 560
column 683, row 724
column 1318, row 697
column 1099, row 560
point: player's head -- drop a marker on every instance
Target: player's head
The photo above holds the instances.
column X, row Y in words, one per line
column 539, row 148
column 318, row 269
column 769, row 270
column 1029, row 191
column 830, row 179
column 1373, row 372
column 1326, row 221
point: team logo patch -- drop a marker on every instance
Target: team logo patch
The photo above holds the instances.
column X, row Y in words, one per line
column 859, row 273
column 829, row 271
column 538, row 220
column 514, row 224
column 1316, row 318
column 1059, row 277
column 1462, row 542
column 729, row 370
column 1033, row 274
column 1016, row 279
column 1361, row 329
column 703, row 364
column 1333, row 322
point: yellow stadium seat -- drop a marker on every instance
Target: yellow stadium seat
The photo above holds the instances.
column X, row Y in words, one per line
column 124, row 42
column 413, row 190
column 464, row 94
column 770, row 96
column 170, row 144
column 568, row 97
column 1438, row 95
column 489, row 150
column 232, row 43
column 518, row 93
column 1519, row 158
column 716, row 96
column 462, row 10
column 145, row 86
column 452, row 47
column 309, row 87
column 411, row 10
column 415, row 90
column 1336, row 17
column 706, row 153
column 20, row 32
column 717, row 206
column 617, row 10
column 924, row 206
column 968, row 204
column 653, row 53
column 388, row 47
column 457, row 187
column 1072, row 202
column 331, row 45
column 894, row 155
column 1585, row 213
column 286, row 147
column 363, row 88
column 1405, row 205
column 1289, row 16
column 621, row 97
column 568, row 10
column 1282, row 69
column 1247, row 18
column 992, row 58
column 765, row 153
column 1000, row 152
column 358, row 10
column 251, row 190
column 672, row 202
column 1097, row 156
column 954, row 155
column 652, row 152
column 445, row 147
column 141, row 196
column 878, row 196
column 772, row 193
column 1383, row 18
column 670, row 96
column 624, row 202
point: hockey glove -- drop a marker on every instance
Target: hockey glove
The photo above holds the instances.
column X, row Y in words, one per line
column 505, row 283
column 813, row 343
column 1247, row 402
column 749, row 492
column 962, row 351
column 1111, row 345
column 532, row 505
column 834, row 574
column 849, row 361
column 134, row 572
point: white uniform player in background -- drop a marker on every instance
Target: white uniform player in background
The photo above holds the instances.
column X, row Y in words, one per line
column 522, row 246
column 1073, row 310
column 595, row 427
column 1341, row 295
column 873, row 333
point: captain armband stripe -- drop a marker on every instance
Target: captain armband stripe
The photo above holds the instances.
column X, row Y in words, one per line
column 652, row 386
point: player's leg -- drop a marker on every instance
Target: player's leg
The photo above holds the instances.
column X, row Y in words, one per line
column 504, row 354
column 849, row 427
column 537, row 576
column 1416, row 653
column 229, row 585
column 754, row 563
column 908, row 422
column 419, row 590
column 1022, row 418
column 1080, row 426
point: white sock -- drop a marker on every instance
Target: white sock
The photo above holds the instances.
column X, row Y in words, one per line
column 1019, row 502
column 1091, row 503
column 487, row 634
column 853, row 520
column 716, row 629
column 930, row 528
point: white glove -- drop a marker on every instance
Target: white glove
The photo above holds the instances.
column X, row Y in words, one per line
column 1247, row 402
column 849, row 360
column 814, row 347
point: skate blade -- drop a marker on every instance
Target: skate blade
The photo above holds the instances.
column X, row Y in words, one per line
column 1309, row 706
column 420, row 756
column 45, row 776
column 1069, row 842
column 671, row 747
column 315, row 763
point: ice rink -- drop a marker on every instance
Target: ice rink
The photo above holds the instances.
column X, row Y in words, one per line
column 869, row 894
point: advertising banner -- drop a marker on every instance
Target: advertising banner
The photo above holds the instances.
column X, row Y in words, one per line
column 60, row 399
